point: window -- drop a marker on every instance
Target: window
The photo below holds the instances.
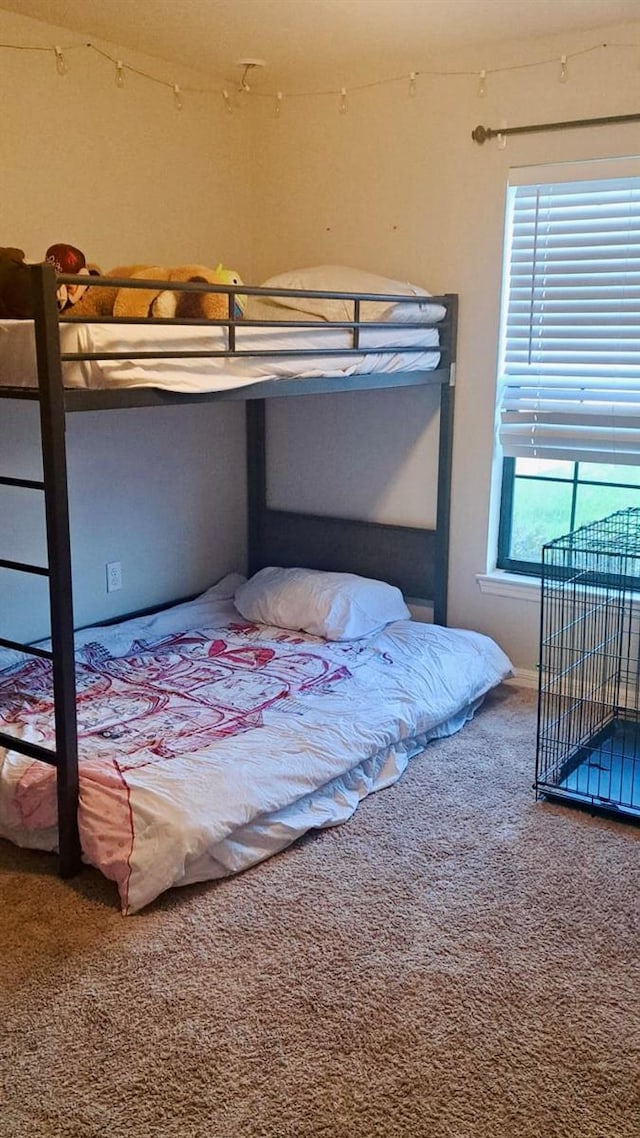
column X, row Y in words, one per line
column 569, row 383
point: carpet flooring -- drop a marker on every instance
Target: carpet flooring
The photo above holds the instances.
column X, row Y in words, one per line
column 457, row 961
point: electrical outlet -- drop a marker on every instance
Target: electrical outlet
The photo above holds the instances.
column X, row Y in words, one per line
column 114, row 576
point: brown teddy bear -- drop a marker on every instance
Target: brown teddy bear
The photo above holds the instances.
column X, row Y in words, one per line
column 15, row 286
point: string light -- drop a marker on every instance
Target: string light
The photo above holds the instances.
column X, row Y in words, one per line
column 61, row 63
column 248, row 65
column 277, row 110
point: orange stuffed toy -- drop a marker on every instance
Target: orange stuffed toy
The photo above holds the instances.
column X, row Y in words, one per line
column 174, row 303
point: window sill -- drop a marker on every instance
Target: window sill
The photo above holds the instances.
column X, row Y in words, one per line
column 513, row 585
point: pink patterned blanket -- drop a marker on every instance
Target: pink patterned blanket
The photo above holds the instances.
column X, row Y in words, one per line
column 204, row 751
column 177, row 697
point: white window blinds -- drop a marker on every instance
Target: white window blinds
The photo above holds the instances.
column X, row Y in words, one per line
column 570, row 359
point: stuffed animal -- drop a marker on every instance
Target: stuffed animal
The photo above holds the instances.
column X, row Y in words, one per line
column 15, row 286
column 172, row 303
column 99, row 300
column 231, row 277
column 68, row 259
column 139, row 302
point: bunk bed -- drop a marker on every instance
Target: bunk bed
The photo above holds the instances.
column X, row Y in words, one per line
column 44, row 704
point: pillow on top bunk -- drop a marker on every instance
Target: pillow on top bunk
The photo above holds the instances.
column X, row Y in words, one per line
column 339, row 278
column 267, row 308
column 336, row 606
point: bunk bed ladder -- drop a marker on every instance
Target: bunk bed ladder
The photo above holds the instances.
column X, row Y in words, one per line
column 58, row 571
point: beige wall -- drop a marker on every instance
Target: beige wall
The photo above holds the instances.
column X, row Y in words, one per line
column 397, row 186
column 120, row 173
column 127, row 178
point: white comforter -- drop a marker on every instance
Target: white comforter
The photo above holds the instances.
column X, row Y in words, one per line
column 208, row 744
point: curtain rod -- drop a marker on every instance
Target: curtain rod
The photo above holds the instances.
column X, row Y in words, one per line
column 482, row 133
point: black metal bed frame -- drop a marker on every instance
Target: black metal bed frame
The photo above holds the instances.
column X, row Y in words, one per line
column 415, row 559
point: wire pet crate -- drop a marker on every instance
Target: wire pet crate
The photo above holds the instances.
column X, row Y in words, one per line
column 588, row 738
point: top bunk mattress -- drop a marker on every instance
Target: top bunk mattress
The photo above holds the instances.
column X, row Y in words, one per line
column 249, row 364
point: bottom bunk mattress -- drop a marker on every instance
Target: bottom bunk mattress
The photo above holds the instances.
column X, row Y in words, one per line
column 208, row 743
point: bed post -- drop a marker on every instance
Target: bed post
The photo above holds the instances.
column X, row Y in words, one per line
column 256, row 481
column 445, row 455
column 54, row 461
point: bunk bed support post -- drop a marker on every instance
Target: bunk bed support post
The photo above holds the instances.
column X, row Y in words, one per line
column 440, row 589
column 256, row 481
column 445, row 457
column 54, row 461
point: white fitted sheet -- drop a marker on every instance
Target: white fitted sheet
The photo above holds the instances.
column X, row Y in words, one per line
column 18, row 365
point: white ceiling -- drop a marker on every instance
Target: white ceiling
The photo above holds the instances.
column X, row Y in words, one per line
column 302, row 39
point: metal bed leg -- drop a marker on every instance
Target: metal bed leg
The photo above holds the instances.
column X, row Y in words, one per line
column 256, row 481
column 444, row 505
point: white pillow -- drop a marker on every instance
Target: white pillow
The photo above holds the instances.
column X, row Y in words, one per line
column 337, row 606
column 339, row 278
column 268, row 308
